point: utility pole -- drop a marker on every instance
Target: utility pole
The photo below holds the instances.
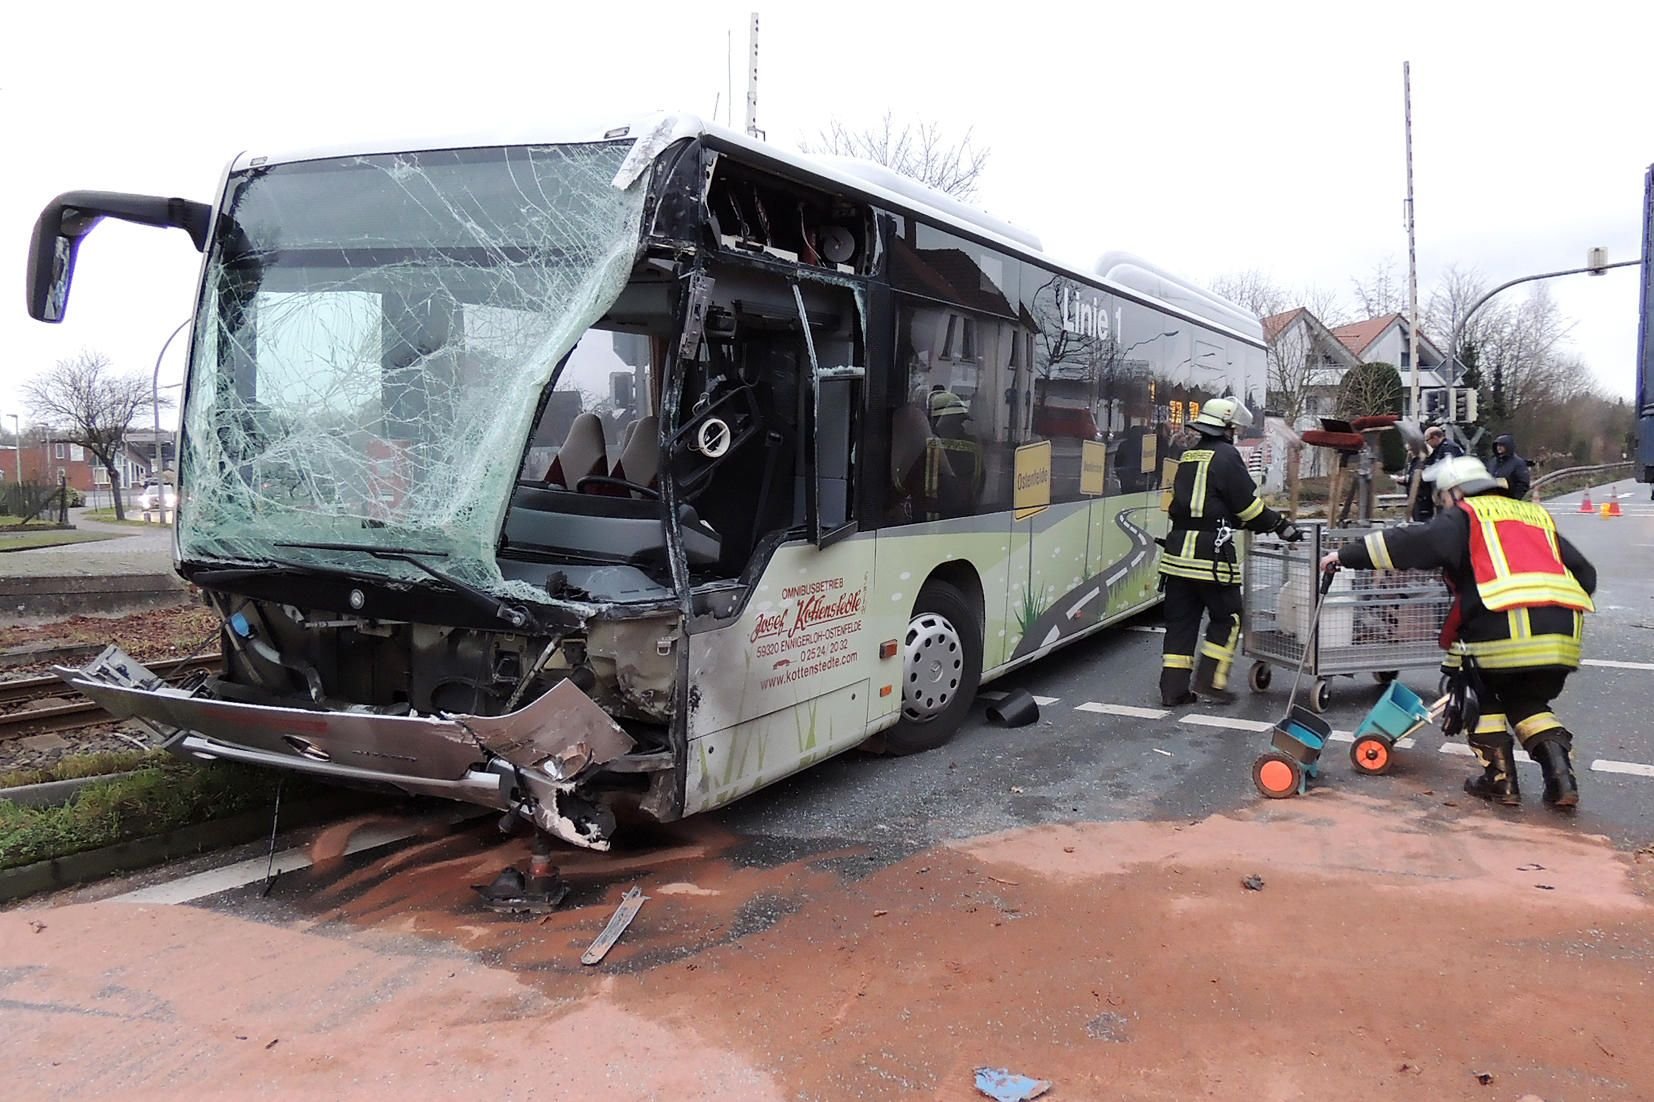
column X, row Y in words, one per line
column 752, row 81
column 1412, row 253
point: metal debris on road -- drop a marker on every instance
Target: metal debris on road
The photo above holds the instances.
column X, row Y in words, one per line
column 1546, row 887
column 1483, row 1077
column 1530, row 868
column 1157, row 750
column 1007, row 1086
column 1253, row 883
column 629, row 905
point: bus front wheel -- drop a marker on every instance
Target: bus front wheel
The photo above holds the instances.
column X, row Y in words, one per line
column 941, row 666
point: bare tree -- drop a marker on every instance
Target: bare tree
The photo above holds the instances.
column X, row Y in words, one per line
column 1294, row 363
column 921, row 150
column 91, row 406
column 1383, row 292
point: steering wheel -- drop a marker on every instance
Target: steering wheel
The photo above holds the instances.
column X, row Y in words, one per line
column 605, row 480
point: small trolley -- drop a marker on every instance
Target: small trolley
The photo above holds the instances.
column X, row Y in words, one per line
column 1374, row 622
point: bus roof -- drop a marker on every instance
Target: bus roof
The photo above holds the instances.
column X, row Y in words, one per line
column 1116, row 271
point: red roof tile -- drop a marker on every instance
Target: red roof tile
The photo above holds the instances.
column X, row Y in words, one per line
column 1275, row 324
column 1358, row 335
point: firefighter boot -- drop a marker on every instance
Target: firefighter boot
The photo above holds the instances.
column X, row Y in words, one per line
column 1498, row 780
column 1174, row 688
column 1205, row 678
column 1555, row 758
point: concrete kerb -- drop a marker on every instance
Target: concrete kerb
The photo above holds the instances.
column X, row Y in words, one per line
column 51, row 596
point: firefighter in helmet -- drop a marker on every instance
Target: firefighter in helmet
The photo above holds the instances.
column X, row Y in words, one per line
column 954, row 470
column 1213, row 496
column 1520, row 592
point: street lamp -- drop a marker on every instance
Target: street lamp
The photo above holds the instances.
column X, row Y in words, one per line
column 1596, row 263
column 155, row 396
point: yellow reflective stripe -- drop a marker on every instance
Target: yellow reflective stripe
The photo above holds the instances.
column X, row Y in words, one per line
column 1200, row 570
column 1495, row 550
column 1541, row 650
column 1521, row 624
column 1496, row 509
column 1379, row 552
column 1251, row 511
column 1537, row 725
column 1509, row 590
column 1495, row 724
column 1216, row 650
column 1197, row 496
column 1177, row 661
column 1189, row 541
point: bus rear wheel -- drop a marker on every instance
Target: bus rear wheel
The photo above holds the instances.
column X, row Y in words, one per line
column 941, row 667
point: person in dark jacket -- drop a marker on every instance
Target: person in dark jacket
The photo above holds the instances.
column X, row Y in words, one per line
column 1212, row 496
column 1513, row 635
column 1441, row 447
column 1510, row 467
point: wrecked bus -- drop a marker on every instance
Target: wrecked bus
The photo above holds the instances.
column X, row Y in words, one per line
column 621, row 474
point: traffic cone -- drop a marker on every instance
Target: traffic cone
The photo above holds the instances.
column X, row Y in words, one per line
column 1613, row 505
column 1585, row 506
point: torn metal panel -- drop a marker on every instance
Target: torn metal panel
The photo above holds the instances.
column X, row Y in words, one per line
column 548, row 744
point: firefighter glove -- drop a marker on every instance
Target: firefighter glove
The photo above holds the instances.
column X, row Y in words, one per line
column 1288, row 531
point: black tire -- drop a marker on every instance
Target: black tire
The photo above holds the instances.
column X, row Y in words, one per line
column 1259, row 676
column 1320, row 696
column 1384, row 677
column 913, row 735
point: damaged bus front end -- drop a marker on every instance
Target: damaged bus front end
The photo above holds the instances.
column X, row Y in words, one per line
column 399, row 487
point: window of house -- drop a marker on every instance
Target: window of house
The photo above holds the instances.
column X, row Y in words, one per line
column 62, row 451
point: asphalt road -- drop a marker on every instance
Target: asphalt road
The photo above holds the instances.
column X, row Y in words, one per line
column 1063, row 898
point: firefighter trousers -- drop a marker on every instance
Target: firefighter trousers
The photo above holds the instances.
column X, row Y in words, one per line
column 1520, row 700
column 1186, row 599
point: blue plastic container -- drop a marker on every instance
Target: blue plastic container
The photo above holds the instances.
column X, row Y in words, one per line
column 1302, row 735
column 1398, row 713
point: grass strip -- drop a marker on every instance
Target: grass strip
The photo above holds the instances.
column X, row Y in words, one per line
column 159, row 797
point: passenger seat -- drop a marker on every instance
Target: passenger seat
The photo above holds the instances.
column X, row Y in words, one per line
column 639, row 461
column 583, row 454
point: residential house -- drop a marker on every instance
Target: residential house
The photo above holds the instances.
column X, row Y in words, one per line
column 1384, row 339
column 43, row 459
column 1306, row 361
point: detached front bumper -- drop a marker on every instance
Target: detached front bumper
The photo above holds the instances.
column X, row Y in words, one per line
column 531, row 761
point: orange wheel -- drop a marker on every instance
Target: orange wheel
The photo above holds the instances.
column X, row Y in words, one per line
column 1276, row 776
column 1372, row 755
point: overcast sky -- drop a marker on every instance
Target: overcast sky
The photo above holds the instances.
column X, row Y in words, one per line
column 1207, row 138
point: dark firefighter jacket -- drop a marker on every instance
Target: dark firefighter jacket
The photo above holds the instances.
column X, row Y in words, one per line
column 1486, row 550
column 1213, row 495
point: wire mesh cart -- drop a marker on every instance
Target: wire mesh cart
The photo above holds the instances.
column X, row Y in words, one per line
column 1376, row 622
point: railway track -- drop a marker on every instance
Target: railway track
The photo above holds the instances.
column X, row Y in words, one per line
column 75, row 711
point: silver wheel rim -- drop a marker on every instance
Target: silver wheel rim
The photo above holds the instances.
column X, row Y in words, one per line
column 932, row 667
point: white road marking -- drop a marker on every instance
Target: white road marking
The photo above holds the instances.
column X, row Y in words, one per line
column 1052, row 637
column 1631, row 768
column 1045, row 701
column 1461, row 750
column 1128, row 710
column 1138, row 558
column 1228, row 723
column 1074, row 609
column 211, row 882
column 1157, row 750
column 1603, row 663
column 1114, row 579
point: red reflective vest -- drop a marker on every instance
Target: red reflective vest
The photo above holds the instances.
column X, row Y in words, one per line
column 1515, row 558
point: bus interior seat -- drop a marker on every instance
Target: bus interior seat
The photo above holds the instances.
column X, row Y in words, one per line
column 639, row 460
column 583, row 454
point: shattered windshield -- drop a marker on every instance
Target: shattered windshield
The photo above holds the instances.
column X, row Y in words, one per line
column 377, row 332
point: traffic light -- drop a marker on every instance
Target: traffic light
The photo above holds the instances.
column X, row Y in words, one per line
column 1464, row 406
column 1435, row 404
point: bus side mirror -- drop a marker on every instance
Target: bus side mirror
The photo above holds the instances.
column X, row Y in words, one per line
column 67, row 220
column 838, row 408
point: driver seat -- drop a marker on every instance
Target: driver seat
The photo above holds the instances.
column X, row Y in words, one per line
column 639, row 460
column 583, row 454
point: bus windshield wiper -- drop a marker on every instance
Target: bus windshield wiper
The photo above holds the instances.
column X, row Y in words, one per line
column 515, row 615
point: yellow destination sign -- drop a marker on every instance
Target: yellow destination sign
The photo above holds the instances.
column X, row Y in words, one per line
column 1033, row 479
